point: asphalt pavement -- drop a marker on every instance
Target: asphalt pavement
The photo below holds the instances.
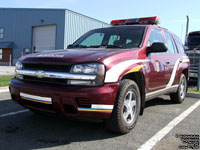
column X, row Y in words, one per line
column 162, row 125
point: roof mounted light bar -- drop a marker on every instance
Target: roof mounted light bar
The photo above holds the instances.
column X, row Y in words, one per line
column 145, row 20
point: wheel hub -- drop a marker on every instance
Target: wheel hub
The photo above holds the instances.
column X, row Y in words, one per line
column 182, row 88
column 129, row 109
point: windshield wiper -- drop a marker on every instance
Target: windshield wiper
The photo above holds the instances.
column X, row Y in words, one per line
column 113, row 46
column 95, row 46
column 79, row 46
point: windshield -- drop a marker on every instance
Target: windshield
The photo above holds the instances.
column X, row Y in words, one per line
column 122, row 37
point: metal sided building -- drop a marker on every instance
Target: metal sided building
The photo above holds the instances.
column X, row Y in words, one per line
column 24, row 31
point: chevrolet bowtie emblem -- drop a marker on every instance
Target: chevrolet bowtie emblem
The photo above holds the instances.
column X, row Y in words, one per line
column 40, row 74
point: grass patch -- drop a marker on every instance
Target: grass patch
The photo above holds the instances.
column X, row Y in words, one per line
column 4, row 80
column 193, row 90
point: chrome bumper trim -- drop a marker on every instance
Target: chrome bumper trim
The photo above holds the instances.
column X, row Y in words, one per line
column 56, row 75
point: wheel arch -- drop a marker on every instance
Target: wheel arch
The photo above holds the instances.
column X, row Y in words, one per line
column 186, row 73
column 138, row 77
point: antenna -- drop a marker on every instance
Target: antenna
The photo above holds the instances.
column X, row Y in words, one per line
column 187, row 26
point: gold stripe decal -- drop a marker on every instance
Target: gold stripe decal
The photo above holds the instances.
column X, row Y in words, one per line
column 45, row 100
column 35, row 100
column 135, row 69
column 97, row 108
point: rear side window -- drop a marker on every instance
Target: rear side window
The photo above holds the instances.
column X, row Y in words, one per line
column 170, row 43
column 113, row 38
column 179, row 45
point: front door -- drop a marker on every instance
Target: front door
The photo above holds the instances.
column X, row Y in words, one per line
column 159, row 64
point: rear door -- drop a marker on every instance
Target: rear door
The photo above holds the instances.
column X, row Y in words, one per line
column 173, row 58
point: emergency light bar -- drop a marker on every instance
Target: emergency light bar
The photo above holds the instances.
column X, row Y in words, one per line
column 145, row 20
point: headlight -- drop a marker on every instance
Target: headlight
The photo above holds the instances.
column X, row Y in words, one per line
column 88, row 69
column 18, row 65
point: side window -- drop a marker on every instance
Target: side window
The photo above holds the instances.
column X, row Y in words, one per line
column 155, row 36
column 170, row 43
column 93, row 40
column 179, row 45
column 128, row 41
column 113, row 38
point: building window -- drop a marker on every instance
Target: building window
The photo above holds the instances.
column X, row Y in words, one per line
column 1, row 54
column 1, row 33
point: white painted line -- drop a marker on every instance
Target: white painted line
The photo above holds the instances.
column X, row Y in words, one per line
column 4, row 90
column 5, row 99
column 13, row 113
column 160, row 134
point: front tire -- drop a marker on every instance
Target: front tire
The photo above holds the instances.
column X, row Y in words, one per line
column 126, row 109
column 179, row 96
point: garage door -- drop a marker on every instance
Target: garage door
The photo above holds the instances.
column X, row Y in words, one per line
column 44, row 37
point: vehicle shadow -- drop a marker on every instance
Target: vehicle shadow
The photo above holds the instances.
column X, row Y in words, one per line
column 165, row 100
column 32, row 131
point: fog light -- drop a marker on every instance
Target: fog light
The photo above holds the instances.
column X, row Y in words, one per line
column 21, row 77
column 79, row 82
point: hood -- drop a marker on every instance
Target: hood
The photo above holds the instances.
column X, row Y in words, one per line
column 71, row 56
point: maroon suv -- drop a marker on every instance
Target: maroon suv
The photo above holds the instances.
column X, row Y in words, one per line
column 108, row 74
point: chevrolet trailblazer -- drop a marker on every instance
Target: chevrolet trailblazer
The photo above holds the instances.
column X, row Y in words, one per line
column 108, row 74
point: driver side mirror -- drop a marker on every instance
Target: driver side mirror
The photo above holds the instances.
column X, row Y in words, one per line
column 157, row 47
column 69, row 46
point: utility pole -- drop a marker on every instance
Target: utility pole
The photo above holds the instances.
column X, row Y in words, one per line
column 187, row 27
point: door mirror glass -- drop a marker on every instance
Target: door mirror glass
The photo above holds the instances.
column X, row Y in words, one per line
column 157, row 47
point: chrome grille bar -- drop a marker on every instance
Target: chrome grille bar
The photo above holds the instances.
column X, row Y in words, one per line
column 56, row 75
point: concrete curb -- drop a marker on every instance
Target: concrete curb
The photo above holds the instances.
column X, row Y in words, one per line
column 193, row 95
column 4, row 89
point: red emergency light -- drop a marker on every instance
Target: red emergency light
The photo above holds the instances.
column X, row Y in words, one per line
column 145, row 20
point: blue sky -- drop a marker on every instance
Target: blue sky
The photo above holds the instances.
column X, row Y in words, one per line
column 172, row 12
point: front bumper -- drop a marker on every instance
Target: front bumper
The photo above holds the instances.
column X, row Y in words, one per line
column 91, row 102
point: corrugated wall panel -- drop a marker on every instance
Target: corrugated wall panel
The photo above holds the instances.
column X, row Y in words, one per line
column 77, row 24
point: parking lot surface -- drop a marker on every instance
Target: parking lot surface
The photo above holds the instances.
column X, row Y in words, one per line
column 7, row 70
column 22, row 129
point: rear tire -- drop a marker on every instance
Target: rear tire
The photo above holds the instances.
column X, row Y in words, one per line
column 179, row 96
column 126, row 109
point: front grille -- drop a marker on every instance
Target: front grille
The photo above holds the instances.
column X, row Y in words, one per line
column 194, row 59
column 47, row 67
column 45, row 80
